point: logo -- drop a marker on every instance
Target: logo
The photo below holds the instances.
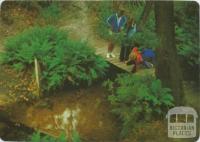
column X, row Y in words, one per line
column 182, row 122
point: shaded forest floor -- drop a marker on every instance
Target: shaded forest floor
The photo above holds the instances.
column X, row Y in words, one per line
column 95, row 122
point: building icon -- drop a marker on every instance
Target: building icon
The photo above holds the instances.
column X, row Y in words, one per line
column 182, row 122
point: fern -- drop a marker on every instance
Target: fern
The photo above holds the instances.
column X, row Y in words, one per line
column 187, row 33
column 104, row 11
column 137, row 99
column 51, row 13
column 36, row 137
column 61, row 59
column 18, row 66
column 75, row 137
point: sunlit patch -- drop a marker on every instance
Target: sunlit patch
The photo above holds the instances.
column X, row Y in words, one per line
column 68, row 120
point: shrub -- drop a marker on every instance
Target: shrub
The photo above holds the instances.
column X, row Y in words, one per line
column 137, row 99
column 104, row 11
column 36, row 137
column 187, row 46
column 61, row 59
column 51, row 14
column 187, row 31
column 146, row 39
column 75, row 137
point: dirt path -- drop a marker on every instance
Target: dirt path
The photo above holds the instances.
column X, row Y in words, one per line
column 82, row 28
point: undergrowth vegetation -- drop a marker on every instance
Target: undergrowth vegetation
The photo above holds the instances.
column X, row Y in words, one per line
column 61, row 59
column 51, row 14
column 187, row 31
column 37, row 137
column 104, row 10
column 137, row 99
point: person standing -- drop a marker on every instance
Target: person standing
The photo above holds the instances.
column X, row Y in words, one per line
column 127, row 41
column 116, row 24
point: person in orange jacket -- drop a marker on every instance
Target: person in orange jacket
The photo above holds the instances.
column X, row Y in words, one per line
column 135, row 58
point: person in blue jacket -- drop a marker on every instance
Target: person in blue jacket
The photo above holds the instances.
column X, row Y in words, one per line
column 116, row 24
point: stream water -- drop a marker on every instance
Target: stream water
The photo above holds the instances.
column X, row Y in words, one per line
column 14, row 131
column 85, row 110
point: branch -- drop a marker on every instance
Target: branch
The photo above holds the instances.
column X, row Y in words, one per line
column 145, row 14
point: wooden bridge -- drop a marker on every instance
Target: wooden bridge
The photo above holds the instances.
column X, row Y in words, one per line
column 115, row 61
column 102, row 51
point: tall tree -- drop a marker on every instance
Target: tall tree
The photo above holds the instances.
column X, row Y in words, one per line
column 145, row 14
column 167, row 67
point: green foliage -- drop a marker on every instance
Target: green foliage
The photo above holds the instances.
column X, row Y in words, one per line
column 75, row 137
column 18, row 66
column 36, row 137
column 187, row 33
column 137, row 99
column 146, row 39
column 134, row 11
column 104, row 11
column 51, row 14
column 61, row 59
column 187, row 46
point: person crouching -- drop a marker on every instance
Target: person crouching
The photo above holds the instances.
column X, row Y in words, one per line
column 135, row 58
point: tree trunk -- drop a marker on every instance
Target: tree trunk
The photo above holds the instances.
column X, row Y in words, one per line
column 167, row 67
column 145, row 14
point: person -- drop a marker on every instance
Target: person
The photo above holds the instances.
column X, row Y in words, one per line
column 126, row 42
column 131, row 30
column 148, row 56
column 135, row 58
column 116, row 24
